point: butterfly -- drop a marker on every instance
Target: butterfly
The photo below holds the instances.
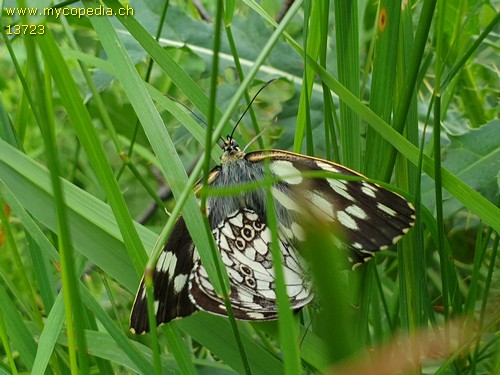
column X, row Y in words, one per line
column 367, row 218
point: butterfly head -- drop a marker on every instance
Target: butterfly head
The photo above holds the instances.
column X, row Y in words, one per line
column 231, row 149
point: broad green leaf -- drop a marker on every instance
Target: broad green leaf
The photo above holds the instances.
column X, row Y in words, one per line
column 474, row 157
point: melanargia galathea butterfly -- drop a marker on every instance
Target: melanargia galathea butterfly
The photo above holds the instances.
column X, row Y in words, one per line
column 366, row 218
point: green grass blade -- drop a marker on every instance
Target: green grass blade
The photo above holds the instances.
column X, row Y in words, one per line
column 72, row 302
column 90, row 141
column 49, row 336
column 158, row 137
column 6, row 345
column 91, row 220
column 347, row 40
column 288, row 332
column 383, row 81
column 123, row 343
column 17, row 331
column 213, row 331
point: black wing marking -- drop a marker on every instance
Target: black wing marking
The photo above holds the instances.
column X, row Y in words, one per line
column 170, row 280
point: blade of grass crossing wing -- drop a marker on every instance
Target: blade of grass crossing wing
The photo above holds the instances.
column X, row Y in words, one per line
column 148, row 282
column 288, row 332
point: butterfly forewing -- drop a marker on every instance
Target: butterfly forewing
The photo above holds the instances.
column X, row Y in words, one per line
column 170, row 281
column 365, row 216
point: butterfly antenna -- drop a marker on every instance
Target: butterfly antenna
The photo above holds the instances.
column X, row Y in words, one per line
column 186, row 107
column 249, row 105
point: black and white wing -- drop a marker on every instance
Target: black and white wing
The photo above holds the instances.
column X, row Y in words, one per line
column 170, row 280
column 244, row 242
column 365, row 217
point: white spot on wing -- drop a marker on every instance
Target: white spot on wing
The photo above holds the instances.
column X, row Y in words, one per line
column 396, row 239
column 356, row 212
column 347, row 221
column 368, row 190
column 322, row 204
column 285, row 170
column 287, row 232
column 284, row 200
column 251, row 215
column 298, row 232
column 180, row 282
column 340, row 187
column 237, row 220
column 387, row 210
column 156, row 305
column 163, row 261
column 255, row 315
column 328, row 167
column 227, row 232
column 171, row 266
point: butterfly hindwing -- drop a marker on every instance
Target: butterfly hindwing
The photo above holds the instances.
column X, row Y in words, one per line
column 244, row 241
column 170, row 281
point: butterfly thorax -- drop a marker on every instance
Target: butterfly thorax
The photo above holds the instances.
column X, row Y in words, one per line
column 236, row 170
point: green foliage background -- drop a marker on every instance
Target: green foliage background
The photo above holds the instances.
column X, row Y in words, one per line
column 89, row 135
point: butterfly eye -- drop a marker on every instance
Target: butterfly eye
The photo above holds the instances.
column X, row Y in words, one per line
column 248, row 233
